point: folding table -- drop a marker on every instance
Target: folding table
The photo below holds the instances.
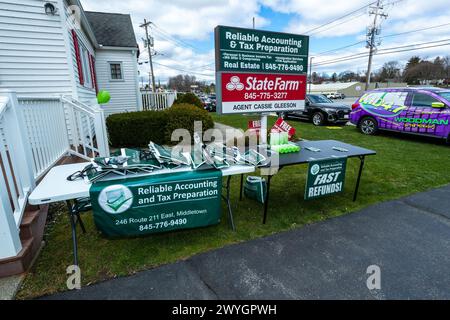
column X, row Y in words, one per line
column 55, row 187
column 328, row 149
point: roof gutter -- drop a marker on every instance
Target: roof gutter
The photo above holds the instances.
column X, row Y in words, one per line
column 118, row 48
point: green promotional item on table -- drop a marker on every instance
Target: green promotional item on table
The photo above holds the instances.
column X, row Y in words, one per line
column 255, row 188
column 325, row 177
column 157, row 203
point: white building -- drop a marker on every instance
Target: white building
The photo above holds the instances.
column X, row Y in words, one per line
column 50, row 48
column 54, row 57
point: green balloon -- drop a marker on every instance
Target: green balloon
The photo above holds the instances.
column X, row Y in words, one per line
column 103, row 97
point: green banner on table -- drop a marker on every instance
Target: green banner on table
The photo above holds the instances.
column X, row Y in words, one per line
column 157, row 203
column 325, row 177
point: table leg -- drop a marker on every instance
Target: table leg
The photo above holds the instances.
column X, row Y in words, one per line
column 73, row 225
column 242, row 188
column 266, row 201
column 80, row 222
column 358, row 181
column 227, row 200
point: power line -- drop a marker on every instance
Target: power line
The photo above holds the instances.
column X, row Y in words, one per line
column 382, row 37
column 383, row 53
column 183, row 70
column 385, row 49
column 340, row 48
column 341, row 23
column 412, row 31
column 179, row 41
column 190, row 67
column 340, row 18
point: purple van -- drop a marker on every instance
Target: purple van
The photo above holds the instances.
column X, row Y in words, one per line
column 424, row 111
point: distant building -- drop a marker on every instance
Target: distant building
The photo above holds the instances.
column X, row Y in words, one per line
column 351, row 89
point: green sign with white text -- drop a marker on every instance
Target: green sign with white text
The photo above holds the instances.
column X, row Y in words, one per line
column 249, row 50
column 157, row 203
column 325, row 177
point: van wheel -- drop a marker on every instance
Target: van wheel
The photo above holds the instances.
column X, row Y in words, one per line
column 318, row 119
column 369, row 126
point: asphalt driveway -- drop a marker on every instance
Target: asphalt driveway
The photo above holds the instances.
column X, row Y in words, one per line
column 408, row 239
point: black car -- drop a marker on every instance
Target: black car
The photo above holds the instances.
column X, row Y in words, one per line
column 320, row 110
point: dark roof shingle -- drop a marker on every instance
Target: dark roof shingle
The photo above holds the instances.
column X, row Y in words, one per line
column 112, row 29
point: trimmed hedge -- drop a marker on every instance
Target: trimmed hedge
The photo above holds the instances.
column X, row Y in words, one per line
column 189, row 98
column 137, row 129
column 183, row 116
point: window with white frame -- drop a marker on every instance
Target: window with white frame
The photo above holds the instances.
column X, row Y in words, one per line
column 116, row 71
column 86, row 67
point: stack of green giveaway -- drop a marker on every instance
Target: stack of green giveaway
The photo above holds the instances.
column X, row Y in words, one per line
column 279, row 142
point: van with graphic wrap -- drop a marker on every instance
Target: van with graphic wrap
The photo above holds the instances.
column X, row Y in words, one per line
column 423, row 111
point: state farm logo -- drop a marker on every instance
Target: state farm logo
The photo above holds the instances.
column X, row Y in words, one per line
column 260, row 83
column 235, row 84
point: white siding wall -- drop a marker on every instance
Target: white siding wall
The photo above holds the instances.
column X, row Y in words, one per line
column 124, row 94
column 83, row 93
column 33, row 59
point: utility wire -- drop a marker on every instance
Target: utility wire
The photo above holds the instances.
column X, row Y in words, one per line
column 340, row 18
column 203, row 67
column 385, row 49
column 168, row 35
column 382, row 53
column 338, row 24
column 412, row 31
column 339, row 49
column 382, row 37
column 183, row 70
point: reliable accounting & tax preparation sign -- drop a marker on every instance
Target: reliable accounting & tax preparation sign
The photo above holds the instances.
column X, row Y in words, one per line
column 260, row 71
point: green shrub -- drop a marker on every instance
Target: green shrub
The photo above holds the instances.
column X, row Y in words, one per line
column 137, row 129
column 189, row 98
column 183, row 116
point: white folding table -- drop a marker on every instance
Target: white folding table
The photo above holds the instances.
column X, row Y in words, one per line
column 55, row 187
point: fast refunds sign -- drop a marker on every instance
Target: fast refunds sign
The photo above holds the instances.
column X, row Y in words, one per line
column 260, row 71
column 325, row 177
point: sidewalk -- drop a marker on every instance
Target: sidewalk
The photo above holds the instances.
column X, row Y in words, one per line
column 409, row 239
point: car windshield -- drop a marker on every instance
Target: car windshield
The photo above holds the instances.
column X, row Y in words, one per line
column 445, row 95
column 319, row 99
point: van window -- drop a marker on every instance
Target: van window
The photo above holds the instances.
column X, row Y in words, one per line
column 422, row 100
column 390, row 98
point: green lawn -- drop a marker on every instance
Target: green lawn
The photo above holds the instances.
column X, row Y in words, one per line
column 404, row 165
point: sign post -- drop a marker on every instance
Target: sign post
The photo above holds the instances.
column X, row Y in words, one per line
column 260, row 72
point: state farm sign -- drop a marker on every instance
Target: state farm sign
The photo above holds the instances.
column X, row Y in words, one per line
column 258, row 92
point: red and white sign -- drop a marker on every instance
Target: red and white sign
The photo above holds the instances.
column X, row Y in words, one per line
column 255, row 126
column 283, row 126
column 259, row 92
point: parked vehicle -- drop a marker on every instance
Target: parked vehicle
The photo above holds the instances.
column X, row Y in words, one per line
column 320, row 110
column 423, row 111
column 335, row 95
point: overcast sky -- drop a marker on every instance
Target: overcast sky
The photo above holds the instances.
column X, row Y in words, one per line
column 184, row 33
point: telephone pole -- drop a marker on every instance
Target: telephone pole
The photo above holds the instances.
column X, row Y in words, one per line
column 149, row 41
column 374, row 30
